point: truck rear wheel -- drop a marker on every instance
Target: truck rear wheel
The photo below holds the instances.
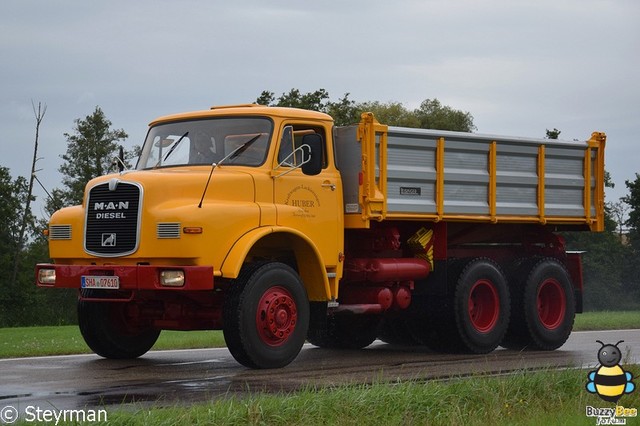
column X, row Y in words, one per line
column 474, row 316
column 543, row 306
column 110, row 334
column 481, row 306
column 266, row 316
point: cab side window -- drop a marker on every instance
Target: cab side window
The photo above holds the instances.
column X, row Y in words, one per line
column 287, row 147
column 289, row 154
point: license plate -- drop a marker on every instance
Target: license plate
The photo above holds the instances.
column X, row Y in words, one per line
column 100, row 282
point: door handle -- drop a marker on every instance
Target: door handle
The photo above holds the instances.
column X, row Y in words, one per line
column 329, row 185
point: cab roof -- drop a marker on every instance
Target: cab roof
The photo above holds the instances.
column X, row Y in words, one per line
column 244, row 110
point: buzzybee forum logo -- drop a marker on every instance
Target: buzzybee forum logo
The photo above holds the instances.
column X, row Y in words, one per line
column 610, row 382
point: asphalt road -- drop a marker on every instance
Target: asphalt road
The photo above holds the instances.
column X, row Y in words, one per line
column 184, row 376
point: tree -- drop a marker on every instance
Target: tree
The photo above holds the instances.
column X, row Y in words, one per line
column 618, row 212
column 266, row 98
column 610, row 266
column 344, row 112
column 22, row 245
column 13, row 199
column 633, row 221
column 90, row 152
column 430, row 115
column 391, row 113
column 316, row 101
column 433, row 115
column 13, row 195
column 553, row 134
column 606, row 269
column 632, row 261
column 26, row 213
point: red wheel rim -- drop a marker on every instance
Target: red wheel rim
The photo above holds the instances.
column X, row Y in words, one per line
column 484, row 306
column 551, row 304
column 276, row 316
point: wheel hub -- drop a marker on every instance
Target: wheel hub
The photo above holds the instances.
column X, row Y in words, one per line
column 276, row 317
column 551, row 304
column 483, row 306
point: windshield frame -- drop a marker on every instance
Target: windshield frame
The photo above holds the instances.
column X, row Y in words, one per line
column 225, row 133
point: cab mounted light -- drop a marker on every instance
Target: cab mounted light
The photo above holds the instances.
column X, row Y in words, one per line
column 172, row 278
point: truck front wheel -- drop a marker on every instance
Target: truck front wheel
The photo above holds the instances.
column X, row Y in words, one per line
column 266, row 316
column 109, row 333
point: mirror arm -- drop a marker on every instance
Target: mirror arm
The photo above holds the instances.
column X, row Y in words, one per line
column 304, row 160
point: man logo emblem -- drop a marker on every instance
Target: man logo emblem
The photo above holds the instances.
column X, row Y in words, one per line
column 109, row 240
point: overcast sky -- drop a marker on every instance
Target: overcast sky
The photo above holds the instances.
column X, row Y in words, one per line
column 519, row 67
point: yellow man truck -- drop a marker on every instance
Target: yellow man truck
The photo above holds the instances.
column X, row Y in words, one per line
column 276, row 227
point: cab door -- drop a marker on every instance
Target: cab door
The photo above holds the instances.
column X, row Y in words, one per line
column 308, row 203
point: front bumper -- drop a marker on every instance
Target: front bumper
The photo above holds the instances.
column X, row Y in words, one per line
column 135, row 277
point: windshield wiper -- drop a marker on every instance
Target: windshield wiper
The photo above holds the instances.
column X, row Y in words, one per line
column 239, row 150
column 173, row 147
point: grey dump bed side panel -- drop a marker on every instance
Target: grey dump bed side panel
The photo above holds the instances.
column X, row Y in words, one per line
column 412, row 173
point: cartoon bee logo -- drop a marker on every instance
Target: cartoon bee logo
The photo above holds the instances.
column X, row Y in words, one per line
column 609, row 380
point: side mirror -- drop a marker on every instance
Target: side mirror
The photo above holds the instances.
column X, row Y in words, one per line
column 119, row 160
column 313, row 144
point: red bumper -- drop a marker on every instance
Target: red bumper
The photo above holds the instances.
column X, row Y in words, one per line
column 139, row 277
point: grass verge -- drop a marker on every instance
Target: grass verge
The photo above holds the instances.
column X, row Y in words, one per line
column 63, row 340
column 607, row 320
column 524, row 398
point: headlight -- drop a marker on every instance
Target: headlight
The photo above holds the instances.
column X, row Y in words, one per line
column 172, row 278
column 47, row 276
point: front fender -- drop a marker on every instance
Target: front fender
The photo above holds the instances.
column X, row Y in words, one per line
column 310, row 263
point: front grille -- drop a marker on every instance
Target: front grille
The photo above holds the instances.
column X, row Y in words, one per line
column 113, row 211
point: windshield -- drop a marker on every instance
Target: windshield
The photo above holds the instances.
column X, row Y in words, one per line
column 207, row 142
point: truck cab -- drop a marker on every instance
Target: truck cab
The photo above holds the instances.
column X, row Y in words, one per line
column 215, row 195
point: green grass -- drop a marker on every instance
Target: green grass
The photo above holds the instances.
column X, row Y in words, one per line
column 607, row 320
column 524, row 398
column 62, row 340
column 38, row 341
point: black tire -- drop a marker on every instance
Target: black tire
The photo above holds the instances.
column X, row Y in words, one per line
column 481, row 306
column 258, row 334
column 543, row 306
column 474, row 316
column 110, row 334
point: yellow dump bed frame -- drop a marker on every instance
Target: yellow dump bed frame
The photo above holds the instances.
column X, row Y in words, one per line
column 418, row 174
